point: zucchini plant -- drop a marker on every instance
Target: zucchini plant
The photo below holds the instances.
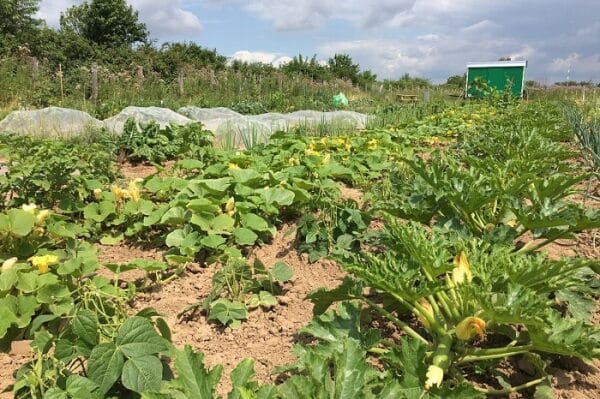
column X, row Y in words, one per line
column 472, row 302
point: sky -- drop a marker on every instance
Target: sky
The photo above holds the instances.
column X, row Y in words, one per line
column 433, row 39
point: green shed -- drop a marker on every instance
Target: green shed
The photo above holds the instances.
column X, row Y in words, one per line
column 498, row 74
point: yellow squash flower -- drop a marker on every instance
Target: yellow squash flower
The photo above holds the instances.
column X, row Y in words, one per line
column 42, row 262
column 469, row 328
column 348, row 146
column 134, row 191
column 8, row 264
column 425, row 303
column 41, row 217
column 462, row 269
column 435, row 376
column 29, row 208
column 233, row 166
column 230, row 206
column 118, row 192
column 97, row 194
column 372, row 145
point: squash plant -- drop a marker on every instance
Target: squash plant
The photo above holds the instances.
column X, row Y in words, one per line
column 473, row 301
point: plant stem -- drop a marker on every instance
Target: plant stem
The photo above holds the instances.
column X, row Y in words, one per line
column 495, row 353
column 403, row 326
column 509, row 389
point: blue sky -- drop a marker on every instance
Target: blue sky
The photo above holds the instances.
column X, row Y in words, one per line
column 429, row 38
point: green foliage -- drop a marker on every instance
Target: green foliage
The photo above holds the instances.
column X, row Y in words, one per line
column 18, row 27
column 154, row 144
column 586, row 126
column 50, row 173
column 108, row 23
column 238, row 287
column 487, row 286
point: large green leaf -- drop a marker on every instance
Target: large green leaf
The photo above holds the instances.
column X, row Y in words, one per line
column 17, row 222
column 241, row 377
column 98, row 212
column 256, row 223
column 105, row 365
column 142, row 374
column 213, row 241
column 277, row 196
column 81, row 387
column 216, row 185
column 85, row 325
column 194, row 378
column 244, row 236
column 137, row 337
column 222, row 224
column 244, row 175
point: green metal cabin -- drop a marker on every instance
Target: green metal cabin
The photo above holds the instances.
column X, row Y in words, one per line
column 498, row 74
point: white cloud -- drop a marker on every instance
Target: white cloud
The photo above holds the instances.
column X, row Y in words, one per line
column 277, row 60
column 289, row 15
column 163, row 18
column 50, row 10
column 253, row 57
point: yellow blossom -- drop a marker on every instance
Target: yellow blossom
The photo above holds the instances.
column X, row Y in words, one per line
column 118, row 192
column 348, row 146
column 435, row 376
column 29, row 208
column 98, row 194
column 326, row 159
column 233, row 166
column 230, row 206
column 42, row 262
column 293, row 161
column 41, row 217
column 8, row 264
column 372, row 144
column 469, row 328
column 310, row 152
column 462, row 269
column 425, row 303
column 134, row 191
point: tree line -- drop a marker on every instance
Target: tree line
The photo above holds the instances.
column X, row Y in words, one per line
column 110, row 33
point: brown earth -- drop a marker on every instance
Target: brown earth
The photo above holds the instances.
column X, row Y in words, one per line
column 267, row 336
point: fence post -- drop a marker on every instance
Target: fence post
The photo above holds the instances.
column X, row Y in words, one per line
column 180, row 90
column 140, row 74
column 94, row 96
column 62, row 87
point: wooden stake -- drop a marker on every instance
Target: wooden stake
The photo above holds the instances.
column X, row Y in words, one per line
column 180, row 83
column 94, row 96
column 62, row 87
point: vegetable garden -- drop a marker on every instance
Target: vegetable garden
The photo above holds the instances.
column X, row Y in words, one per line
column 450, row 255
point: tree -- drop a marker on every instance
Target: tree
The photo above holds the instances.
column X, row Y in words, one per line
column 309, row 67
column 18, row 27
column 172, row 56
column 457, row 80
column 342, row 67
column 107, row 23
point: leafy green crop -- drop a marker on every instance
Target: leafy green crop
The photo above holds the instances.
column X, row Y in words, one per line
column 51, row 173
column 482, row 291
column 238, row 287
